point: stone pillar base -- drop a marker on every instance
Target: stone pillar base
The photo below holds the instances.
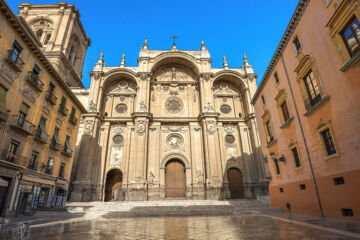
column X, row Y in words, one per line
column 83, row 192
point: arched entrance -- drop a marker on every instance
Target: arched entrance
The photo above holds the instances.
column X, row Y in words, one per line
column 175, row 185
column 236, row 186
column 113, row 185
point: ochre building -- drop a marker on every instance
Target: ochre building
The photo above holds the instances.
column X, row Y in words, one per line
column 39, row 114
column 307, row 107
column 171, row 127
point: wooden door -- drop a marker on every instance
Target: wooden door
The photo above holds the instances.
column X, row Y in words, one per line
column 235, row 183
column 175, row 180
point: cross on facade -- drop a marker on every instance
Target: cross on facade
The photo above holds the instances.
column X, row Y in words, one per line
column 174, row 37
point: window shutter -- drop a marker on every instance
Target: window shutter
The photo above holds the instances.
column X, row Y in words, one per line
column 42, row 126
column 67, row 142
column 56, row 136
column 3, row 92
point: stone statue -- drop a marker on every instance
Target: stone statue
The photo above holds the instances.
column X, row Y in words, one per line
column 173, row 74
column 142, row 107
column 209, row 108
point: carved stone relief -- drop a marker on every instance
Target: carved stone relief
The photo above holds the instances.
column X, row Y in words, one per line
column 88, row 127
column 174, row 141
column 140, row 127
column 174, row 105
column 211, row 127
column 116, row 156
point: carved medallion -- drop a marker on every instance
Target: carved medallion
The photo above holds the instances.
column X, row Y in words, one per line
column 140, row 129
column 88, row 127
column 174, row 141
column 174, row 105
column 118, row 139
column 211, row 127
column 225, row 109
column 121, row 108
column 229, row 139
column 123, row 84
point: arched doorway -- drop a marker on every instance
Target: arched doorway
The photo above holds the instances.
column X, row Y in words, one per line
column 175, row 185
column 236, row 186
column 113, row 185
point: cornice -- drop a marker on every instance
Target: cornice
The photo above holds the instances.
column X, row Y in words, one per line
column 295, row 19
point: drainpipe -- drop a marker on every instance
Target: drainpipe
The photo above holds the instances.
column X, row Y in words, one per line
column 16, row 94
column 303, row 136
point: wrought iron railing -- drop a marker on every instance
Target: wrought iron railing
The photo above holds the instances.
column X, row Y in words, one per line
column 34, row 80
column 55, row 144
column 50, row 96
column 41, row 135
column 14, row 60
column 22, row 124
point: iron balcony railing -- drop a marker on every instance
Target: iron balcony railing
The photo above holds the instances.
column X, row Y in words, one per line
column 55, row 144
column 14, row 60
column 22, row 124
column 63, row 110
column 34, row 80
column 50, row 96
column 41, row 135
column 11, row 157
column 73, row 119
column 67, row 151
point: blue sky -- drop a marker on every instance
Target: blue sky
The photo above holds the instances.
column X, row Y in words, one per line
column 229, row 27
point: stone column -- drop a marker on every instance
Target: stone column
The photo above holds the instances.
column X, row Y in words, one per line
column 138, row 157
column 212, row 155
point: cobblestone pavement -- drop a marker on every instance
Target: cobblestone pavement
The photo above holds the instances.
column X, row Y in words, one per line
column 248, row 220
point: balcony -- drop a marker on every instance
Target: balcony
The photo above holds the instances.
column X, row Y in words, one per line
column 63, row 110
column 12, row 157
column 34, row 80
column 73, row 120
column 14, row 60
column 50, row 97
column 67, row 151
column 55, row 144
column 41, row 136
column 22, row 125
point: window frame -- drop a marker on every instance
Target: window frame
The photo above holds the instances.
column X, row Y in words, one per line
column 317, row 98
column 296, row 49
column 349, row 25
column 324, row 126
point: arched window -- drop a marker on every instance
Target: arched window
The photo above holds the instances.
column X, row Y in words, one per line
column 47, row 39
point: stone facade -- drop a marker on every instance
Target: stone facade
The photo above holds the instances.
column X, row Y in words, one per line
column 172, row 106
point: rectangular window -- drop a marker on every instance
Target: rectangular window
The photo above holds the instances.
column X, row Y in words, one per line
column 51, row 89
column 269, row 131
column 49, row 166
column 351, row 36
column 41, row 131
column 73, row 111
column 277, row 167
column 302, row 186
column 13, row 148
column 36, row 70
column 339, row 181
column 328, row 142
column 63, row 103
column 33, row 160
column 347, row 212
column 296, row 157
column 297, row 44
column 281, row 189
column 276, row 77
column 24, row 109
column 15, row 52
column 312, row 88
column 285, row 111
column 62, row 170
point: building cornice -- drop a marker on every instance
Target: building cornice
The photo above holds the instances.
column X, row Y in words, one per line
column 36, row 51
column 295, row 19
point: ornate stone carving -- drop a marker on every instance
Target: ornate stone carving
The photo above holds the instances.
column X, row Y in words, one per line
column 118, row 139
column 225, row 109
column 116, row 156
column 92, row 106
column 209, row 108
column 174, row 105
column 230, row 139
column 211, row 127
column 30, row 93
column 143, row 76
column 96, row 75
column 142, row 106
column 200, row 176
column 10, row 73
column 121, row 108
column 88, row 127
column 174, row 141
column 119, row 129
column 123, row 84
column 151, row 176
column 140, row 127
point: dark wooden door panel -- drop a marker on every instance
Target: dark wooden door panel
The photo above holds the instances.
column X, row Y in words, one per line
column 235, row 183
column 175, row 180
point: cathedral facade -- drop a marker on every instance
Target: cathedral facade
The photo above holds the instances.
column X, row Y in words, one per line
column 171, row 127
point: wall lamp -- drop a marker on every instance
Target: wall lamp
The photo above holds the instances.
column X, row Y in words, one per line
column 280, row 159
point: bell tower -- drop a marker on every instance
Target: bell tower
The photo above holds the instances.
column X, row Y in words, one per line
column 62, row 36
